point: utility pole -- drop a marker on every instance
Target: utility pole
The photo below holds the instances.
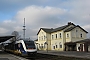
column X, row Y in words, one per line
column 24, row 29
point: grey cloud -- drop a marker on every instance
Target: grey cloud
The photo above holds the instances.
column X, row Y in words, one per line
column 7, row 6
column 36, row 18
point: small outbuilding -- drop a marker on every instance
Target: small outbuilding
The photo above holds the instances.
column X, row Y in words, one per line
column 83, row 45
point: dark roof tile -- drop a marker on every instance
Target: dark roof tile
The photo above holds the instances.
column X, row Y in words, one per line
column 69, row 29
column 59, row 28
column 47, row 30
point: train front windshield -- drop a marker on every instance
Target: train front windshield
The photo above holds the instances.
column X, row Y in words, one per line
column 30, row 45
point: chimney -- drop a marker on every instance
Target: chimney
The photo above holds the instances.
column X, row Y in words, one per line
column 51, row 28
column 69, row 23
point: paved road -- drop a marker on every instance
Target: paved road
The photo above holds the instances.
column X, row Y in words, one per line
column 68, row 53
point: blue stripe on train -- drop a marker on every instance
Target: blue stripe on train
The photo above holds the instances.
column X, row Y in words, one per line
column 22, row 50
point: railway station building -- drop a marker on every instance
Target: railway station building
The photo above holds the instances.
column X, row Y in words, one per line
column 62, row 38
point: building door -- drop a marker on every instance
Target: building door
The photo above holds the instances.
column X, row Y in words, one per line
column 89, row 48
column 85, row 47
column 81, row 47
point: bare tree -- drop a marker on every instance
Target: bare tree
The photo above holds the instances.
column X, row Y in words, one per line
column 17, row 36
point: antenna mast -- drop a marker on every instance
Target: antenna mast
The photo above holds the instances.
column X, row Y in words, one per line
column 24, row 29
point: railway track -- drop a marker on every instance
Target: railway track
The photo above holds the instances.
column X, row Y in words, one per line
column 49, row 57
column 38, row 57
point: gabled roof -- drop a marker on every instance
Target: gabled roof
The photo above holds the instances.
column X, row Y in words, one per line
column 47, row 30
column 62, row 27
column 59, row 28
column 71, row 28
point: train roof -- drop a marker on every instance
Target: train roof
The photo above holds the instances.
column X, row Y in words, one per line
column 26, row 39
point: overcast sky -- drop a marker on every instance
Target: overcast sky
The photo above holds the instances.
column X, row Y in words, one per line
column 42, row 13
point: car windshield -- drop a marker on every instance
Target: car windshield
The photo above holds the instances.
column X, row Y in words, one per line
column 30, row 44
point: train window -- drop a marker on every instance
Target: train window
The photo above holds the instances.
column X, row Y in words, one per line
column 16, row 46
column 30, row 44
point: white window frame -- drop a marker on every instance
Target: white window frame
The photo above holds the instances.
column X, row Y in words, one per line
column 52, row 37
column 60, row 45
column 81, row 35
column 44, row 37
column 56, row 36
column 67, row 35
column 60, row 35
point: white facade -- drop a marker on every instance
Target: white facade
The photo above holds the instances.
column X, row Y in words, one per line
column 56, row 40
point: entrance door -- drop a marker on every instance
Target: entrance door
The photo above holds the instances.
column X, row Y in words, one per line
column 81, row 47
column 85, row 47
column 89, row 48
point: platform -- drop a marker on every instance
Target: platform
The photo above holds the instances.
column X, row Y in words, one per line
column 7, row 56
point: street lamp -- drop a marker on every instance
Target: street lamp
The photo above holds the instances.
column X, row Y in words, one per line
column 47, row 46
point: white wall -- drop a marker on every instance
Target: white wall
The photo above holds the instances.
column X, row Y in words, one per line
column 57, row 41
column 75, row 36
column 78, row 45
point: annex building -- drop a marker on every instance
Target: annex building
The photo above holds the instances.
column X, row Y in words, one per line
column 62, row 38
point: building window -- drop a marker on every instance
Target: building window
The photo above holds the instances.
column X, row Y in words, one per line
column 41, row 45
column 60, row 35
column 67, row 35
column 39, row 38
column 52, row 36
column 44, row 37
column 53, row 47
column 56, row 46
column 44, row 46
column 81, row 35
column 42, row 32
column 56, row 36
column 60, row 46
